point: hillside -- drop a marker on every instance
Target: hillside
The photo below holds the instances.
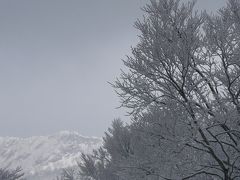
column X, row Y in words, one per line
column 42, row 157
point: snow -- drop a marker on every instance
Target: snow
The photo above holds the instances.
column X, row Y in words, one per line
column 40, row 154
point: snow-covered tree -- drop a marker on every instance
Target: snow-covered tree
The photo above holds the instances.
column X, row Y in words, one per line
column 68, row 174
column 182, row 89
column 7, row 174
column 103, row 163
column 189, row 62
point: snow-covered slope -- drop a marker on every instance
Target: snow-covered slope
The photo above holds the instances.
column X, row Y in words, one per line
column 41, row 157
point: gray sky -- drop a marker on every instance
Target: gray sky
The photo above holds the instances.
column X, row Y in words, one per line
column 56, row 57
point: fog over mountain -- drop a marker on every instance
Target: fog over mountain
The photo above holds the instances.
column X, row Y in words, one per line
column 43, row 157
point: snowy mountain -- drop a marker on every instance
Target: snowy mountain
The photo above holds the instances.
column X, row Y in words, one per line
column 42, row 157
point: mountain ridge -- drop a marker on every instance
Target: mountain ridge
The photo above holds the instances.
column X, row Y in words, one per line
column 45, row 156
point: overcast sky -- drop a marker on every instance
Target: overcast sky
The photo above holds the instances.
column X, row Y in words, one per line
column 56, row 57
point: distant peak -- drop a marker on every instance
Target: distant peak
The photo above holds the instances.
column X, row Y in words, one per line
column 75, row 133
column 66, row 132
